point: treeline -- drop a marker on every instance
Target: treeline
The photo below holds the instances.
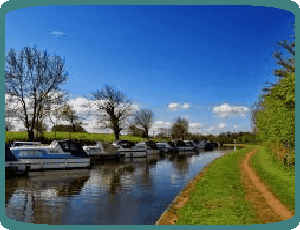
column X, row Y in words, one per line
column 67, row 128
column 274, row 114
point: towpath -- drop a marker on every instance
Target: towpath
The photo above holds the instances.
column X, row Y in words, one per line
column 268, row 207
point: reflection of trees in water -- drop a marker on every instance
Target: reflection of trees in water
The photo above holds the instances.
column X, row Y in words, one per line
column 11, row 184
column 38, row 197
column 180, row 164
column 74, row 187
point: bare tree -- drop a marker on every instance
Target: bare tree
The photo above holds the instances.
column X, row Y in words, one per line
column 144, row 118
column 180, row 127
column 113, row 107
column 30, row 76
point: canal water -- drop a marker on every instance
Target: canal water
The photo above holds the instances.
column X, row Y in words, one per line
column 134, row 192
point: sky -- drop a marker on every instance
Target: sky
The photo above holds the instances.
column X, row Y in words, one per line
column 205, row 63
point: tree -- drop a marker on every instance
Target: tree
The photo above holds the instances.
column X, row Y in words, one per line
column 113, row 107
column 135, row 131
column 286, row 56
column 56, row 111
column 180, row 128
column 30, row 76
column 144, row 118
column 69, row 114
column 66, row 128
column 276, row 121
column 8, row 125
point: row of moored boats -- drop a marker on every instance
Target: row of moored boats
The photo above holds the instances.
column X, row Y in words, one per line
column 25, row 156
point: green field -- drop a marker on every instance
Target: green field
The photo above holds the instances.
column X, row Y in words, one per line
column 77, row 135
column 218, row 197
column 279, row 178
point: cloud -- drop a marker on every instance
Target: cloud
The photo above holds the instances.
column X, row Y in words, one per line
column 211, row 128
column 175, row 106
column 57, row 33
column 226, row 110
column 222, row 125
column 185, row 106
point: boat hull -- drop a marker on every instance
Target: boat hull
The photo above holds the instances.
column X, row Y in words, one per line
column 38, row 164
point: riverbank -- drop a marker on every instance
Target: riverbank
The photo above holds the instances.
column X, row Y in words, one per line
column 220, row 196
column 215, row 197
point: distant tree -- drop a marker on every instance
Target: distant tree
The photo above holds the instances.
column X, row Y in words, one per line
column 55, row 111
column 30, row 76
column 144, row 118
column 66, row 128
column 69, row 114
column 113, row 107
column 135, row 131
column 180, row 128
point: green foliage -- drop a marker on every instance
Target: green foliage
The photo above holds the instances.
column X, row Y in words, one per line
column 277, row 120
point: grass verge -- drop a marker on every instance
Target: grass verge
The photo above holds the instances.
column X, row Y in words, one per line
column 218, row 197
column 280, row 179
column 77, row 135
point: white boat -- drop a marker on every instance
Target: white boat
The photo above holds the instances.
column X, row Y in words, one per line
column 182, row 147
column 59, row 154
column 15, row 144
column 201, row 144
column 129, row 150
column 151, row 147
column 163, row 147
column 101, row 151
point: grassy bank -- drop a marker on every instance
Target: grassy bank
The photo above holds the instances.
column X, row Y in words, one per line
column 9, row 136
column 219, row 197
column 280, row 179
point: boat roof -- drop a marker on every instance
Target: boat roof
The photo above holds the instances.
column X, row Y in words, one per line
column 18, row 143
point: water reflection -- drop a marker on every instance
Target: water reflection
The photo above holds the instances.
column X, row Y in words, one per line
column 135, row 191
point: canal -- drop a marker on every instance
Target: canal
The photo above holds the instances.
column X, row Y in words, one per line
column 134, row 192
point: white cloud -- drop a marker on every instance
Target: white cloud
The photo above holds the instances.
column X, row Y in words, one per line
column 211, row 128
column 222, row 125
column 226, row 110
column 175, row 106
column 235, row 126
column 57, row 33
column 185, row 106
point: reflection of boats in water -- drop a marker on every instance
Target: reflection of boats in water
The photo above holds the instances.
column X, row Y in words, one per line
column 59, row 182
column 59, row 154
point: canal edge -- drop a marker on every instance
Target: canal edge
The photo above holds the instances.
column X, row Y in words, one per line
column 168, row 212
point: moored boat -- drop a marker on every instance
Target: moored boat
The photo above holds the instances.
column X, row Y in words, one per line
column 163, row 147
column 101, row 151
column 127, row 149
column 151, row 147
column 59, row 154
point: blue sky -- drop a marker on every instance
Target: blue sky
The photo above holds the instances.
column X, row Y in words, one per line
column 196, row 57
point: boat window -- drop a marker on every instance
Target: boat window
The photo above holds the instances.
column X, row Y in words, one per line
column 31, row 153
column 72, row 147
column 66, row 146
